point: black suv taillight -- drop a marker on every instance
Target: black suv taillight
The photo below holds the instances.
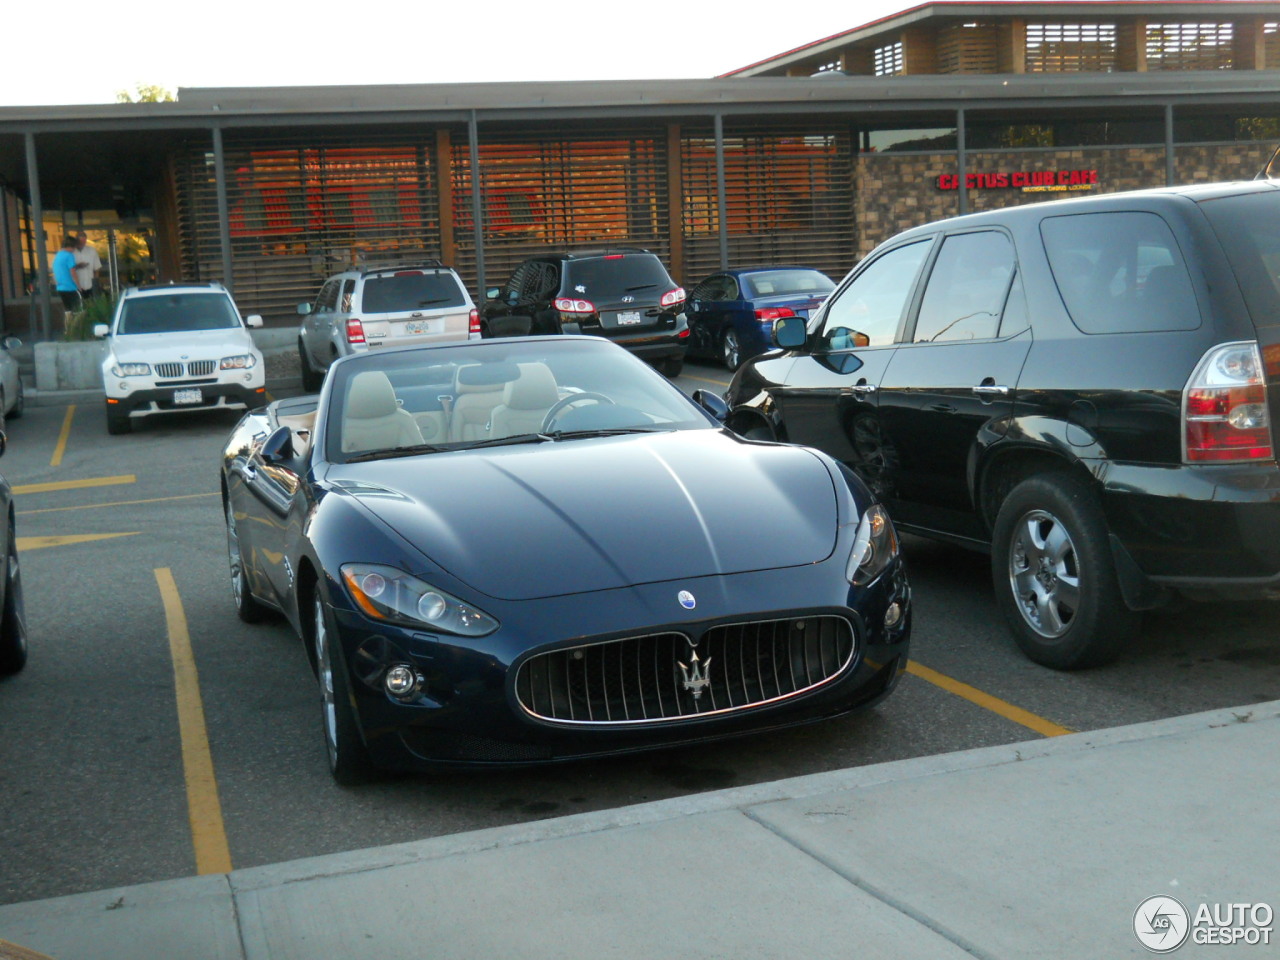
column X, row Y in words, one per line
column 1224, row 407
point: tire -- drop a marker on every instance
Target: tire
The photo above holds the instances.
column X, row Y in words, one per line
column 730, row 349
column 19, row 405
column 13, row 621
column 671, row 367
column 1054, row 575
column 118, row 423
column 348, row 757
column 248, row 608
column 311, row 378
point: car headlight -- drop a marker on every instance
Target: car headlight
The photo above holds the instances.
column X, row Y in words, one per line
column 131, row 370
column 874, row 547
column 242, row 361
column 387, row 593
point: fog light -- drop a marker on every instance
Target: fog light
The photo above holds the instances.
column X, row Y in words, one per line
column 401, row 681
column 893, row 614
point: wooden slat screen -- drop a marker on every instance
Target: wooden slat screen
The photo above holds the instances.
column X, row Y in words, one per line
column 1190, row 46
column 1071, row 47
column 968, row 48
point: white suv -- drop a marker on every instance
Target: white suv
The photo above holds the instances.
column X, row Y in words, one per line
column 387, row 306
column 176, row 348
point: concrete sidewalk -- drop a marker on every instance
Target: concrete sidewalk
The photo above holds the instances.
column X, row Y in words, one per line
column 1037, row 850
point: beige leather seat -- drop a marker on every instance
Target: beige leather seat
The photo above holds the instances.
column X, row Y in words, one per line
column 525, row 401
column 373, row 419
column 474, row 398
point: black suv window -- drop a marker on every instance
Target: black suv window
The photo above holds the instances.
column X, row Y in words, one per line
column 1249, row 229
column 1120, row 272
column 613, row 277
column 967, row 288
column 410, row 290
column 872, row 304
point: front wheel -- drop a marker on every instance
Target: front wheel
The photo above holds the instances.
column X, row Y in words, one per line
column 348, row 757
column 117, row 422
column 672, row 366
column 1054, row 575
column 311, row 377
column 13, row 622
column 248, row 608
column 20, row 404
column 730, row 350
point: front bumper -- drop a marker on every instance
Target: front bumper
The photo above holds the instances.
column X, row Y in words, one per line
column 213, row 396
column 468, row 713
column 1211, row 529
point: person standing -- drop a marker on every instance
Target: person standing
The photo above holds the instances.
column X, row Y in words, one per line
column 88, row 266
column 64, row 275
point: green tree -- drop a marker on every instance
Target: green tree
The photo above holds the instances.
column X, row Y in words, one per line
column 146, row 93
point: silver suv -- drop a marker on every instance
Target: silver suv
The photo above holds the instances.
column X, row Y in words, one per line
column 389, row 306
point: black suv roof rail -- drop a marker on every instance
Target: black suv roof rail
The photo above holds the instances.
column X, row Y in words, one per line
column 602, row 252
column 378, row 266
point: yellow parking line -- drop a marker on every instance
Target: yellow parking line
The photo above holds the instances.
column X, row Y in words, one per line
column 61, row 448
column 689, row 376
column 1046, row 728
column 203, row 807
column 26, row 544
column 75, row 484
column 114, row 503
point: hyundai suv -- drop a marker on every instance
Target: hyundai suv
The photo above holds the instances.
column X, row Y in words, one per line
column 1086, row 389
column 624, row 295
column 176, row 348
column 383, row 306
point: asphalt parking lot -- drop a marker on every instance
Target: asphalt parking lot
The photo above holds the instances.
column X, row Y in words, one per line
column 153, row 735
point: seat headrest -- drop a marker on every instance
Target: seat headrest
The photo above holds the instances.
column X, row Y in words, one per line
column 485, row 377
column 535, row 390
column 370, row 395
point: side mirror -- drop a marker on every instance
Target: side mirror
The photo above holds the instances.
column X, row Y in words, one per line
column 790, row 333
column 254, row 320
column 100, row 330
column 493, row 293
column 279, row 446
column 713, row 403
column 304, row 309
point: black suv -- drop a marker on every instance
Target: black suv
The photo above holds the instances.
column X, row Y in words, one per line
column 625, row 295
column 1085, row 389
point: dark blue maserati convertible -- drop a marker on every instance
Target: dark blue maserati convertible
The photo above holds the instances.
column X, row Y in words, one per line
column 535, row 549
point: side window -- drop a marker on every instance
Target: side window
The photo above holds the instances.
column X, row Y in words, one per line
column 1016, row 318
column 548, row 281
column 512, row 290
column 1120, row 272
column 328, row 296
column 348, row 287
column 706, row 290
column 966, row 289
column 730, row 291
column 868, row 310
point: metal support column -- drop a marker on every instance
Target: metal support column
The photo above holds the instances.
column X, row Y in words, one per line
column 43, row 297
column 477, row 202
column 1170, row 173
column 224, row 215
column 721, row 205
column 962, row 163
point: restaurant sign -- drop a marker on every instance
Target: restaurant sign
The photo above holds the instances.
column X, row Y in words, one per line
column 1028, row 181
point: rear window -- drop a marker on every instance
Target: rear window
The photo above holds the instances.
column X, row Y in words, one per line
column 177, row 313
column 606, row 278
column 776, row 283
column 1120, row 272
column 410, row 290
column 1248, row 228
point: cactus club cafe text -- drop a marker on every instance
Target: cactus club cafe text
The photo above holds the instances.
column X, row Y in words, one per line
column 1021, row 180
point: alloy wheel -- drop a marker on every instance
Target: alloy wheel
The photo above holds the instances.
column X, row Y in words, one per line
column 1044, row 573
column 234, row 558
column 324, row 673
column 729, row 350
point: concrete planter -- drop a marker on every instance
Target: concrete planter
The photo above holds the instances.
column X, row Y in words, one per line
column 69, row 366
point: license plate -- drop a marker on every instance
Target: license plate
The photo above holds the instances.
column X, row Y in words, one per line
column 417, row 326
column 632, row 316
column 188, row 396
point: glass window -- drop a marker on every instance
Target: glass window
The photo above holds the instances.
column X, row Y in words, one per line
column 1120, row 272
column 775, row 283
column 327, row 299
column 177, row 313
column 1015, row 319
column 966, row 289
column 1249, row 230
column 348, row 286
column 410, row 290
column 611, row 277
column 868, row 310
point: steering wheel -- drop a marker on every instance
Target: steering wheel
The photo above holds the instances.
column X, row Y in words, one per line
column 564, row 402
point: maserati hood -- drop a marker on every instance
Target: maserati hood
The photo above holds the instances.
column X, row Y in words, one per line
column 573, row 516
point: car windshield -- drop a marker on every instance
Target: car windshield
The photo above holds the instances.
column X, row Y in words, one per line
column 777, row 283
column 177, row 313
column 614, row 277
column 409, row 290
column 482, row 394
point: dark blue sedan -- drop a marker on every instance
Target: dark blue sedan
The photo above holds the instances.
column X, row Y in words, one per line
column 731, row 314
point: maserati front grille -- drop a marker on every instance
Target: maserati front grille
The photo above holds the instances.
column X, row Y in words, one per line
column 663, row 677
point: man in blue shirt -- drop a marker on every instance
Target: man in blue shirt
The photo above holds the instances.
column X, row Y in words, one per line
column 64, row 275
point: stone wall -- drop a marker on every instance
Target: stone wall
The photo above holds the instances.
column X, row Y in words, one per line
column 898, row 191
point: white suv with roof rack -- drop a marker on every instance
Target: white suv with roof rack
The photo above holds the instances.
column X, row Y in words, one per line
column 383, row 306
column 175, row 348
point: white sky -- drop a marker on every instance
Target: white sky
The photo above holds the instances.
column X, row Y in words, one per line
column 85, row 52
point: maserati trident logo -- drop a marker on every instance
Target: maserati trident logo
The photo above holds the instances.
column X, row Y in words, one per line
column 695, row 676
column 686, row 599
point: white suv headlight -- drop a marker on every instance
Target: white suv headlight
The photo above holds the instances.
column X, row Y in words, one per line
column 131, row 370
column 242, row 361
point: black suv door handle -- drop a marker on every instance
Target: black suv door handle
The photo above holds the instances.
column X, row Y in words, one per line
column 991, row 390
column 863, row 389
